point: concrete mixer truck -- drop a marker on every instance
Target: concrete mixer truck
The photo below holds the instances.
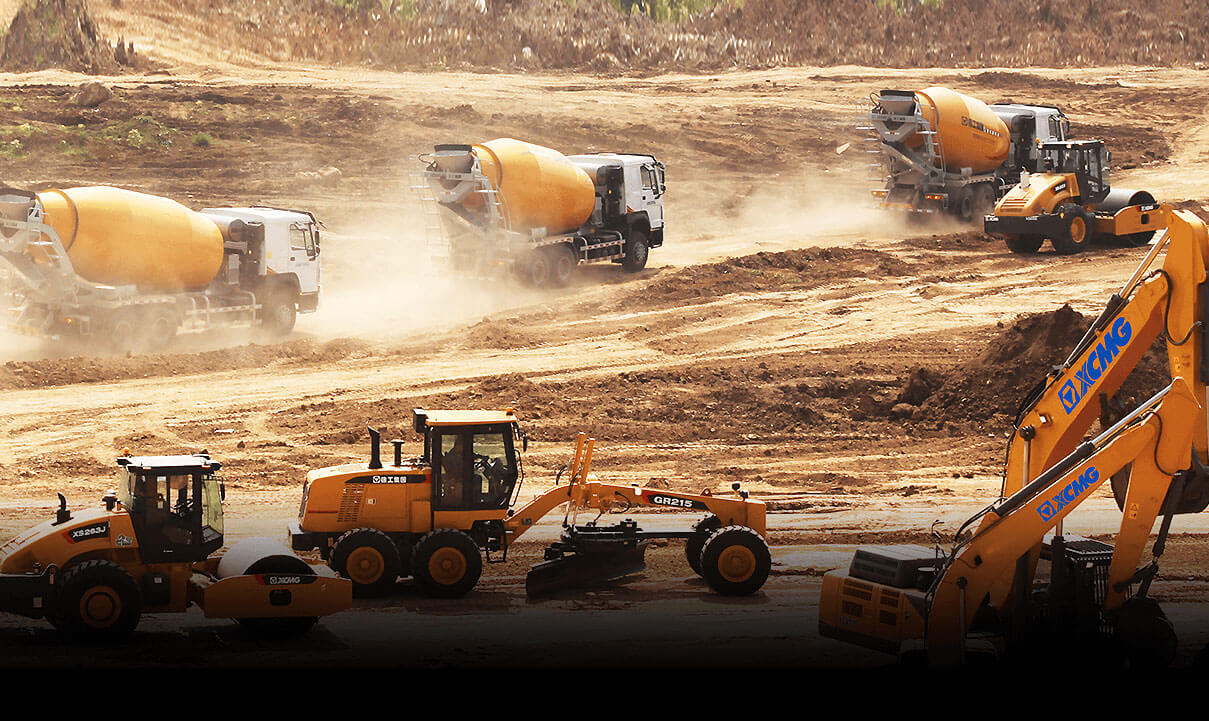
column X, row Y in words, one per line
column 940, row 151
column 127, row 271
column 511, row 206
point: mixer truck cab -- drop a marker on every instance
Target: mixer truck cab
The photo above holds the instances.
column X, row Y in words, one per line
column 510, row 207
column 126, row 271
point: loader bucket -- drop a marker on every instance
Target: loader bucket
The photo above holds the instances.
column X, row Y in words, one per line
column 586, row 556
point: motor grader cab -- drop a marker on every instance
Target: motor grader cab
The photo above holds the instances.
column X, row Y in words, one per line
column 1072, row 203
column 1012, row 574
column 148, row 548
column 434, row 518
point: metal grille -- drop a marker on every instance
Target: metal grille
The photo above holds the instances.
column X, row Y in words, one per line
column 350, row 504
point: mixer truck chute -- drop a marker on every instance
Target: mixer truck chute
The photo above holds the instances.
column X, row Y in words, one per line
column 940, row 151
column 131, row 270
column 514, row 207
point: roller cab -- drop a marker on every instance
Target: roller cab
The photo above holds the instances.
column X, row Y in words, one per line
column 1072, row 204
column 149, row 547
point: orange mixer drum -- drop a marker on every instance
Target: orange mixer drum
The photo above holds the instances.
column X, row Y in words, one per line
column 539, row 187
column 120, row 237
column 971, row 135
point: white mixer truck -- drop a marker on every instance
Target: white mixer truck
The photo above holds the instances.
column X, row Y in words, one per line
column 127, row 271
column 940, row 151
column 511, row 206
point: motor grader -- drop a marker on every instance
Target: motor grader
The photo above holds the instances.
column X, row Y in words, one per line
column 1073, row 204
column 1011, row 575
column 435, row 517
column 149, row 548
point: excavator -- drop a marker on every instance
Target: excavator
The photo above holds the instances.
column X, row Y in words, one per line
column 1011, row 575
column 435, row 517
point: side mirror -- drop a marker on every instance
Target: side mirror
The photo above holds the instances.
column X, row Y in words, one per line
column 524, row 442
column 222, row 491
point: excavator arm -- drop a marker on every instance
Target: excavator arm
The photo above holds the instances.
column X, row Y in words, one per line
column 1049, row 472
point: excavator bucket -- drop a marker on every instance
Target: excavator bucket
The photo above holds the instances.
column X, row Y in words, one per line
column 587, row 555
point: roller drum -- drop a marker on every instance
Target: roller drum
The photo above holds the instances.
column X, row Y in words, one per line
column 539, row 187
column 120, row 237
column 261, row 555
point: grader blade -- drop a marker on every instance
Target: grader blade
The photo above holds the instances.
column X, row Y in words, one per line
column 586, row 556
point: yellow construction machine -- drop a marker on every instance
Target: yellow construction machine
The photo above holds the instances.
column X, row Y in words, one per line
column 1011, row 572
column 429, row 517
column 1072, row 203
column 149, row 548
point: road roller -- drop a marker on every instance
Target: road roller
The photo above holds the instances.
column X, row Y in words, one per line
column 1073, row 205
column 435, row 518
column 943, row 152
column 151, row 547
column 508, row 207
column 129, row 270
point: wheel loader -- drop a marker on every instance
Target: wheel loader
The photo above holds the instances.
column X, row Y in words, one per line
column 1012, row 576
column 435, row 517
column 150, row 547
column 1072, row 204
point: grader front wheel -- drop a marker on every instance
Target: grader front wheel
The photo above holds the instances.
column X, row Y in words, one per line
column 735, row 561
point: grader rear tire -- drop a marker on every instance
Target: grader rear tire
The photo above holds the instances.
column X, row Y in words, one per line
column 446, row 563
column 369, row 559
column 735, row 561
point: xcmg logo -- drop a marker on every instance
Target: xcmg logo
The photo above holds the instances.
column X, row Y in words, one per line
column 1096, row 364
column 1073, row 490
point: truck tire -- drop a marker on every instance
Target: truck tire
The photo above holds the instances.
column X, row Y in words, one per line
column 562, row 264
column 735, row 561
column 636, row 251
column 162, row 329
column 535, row 269
column 693, row 545
column 98, row 599
column 965, row 207
column 1077, row 229
column 984, row 201
column 122, row 332
column 1024, row 244
column 368, row 558
column 446, row 563
column 279, row 311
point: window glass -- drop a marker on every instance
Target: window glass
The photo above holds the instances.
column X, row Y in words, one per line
column 493, row 474
column 212, row 504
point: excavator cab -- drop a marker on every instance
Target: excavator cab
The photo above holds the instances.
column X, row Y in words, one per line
column 175, row 506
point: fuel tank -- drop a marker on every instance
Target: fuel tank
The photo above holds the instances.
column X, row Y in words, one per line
column 970, row 134
column 120, row 237
column 539, row 187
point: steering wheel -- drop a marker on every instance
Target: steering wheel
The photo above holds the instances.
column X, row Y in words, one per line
column 492, row 468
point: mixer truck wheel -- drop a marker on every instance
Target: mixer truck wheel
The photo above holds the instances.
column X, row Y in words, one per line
column 279, row 312
column 636, row 251
column 562, row 264
column 984, row 201
column 1024, row 244
column 122, row 333
column 1077, row 228
column 965, row 207
column 162, row 329
column 536, row 269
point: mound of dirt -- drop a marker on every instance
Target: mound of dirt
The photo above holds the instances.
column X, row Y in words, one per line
column 996, row 382
column 65, row 371
column 596, row 35
column 61, row 34
column 764, row 272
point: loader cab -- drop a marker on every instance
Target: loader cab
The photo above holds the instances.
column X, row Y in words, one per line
column 175, row 506
column 1086, row 160
column 472, row 454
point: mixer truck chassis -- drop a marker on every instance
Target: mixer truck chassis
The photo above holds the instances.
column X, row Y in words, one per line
column 255, row 267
